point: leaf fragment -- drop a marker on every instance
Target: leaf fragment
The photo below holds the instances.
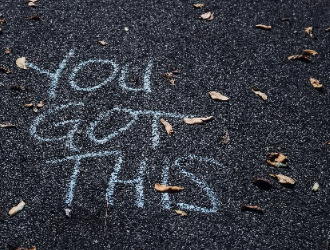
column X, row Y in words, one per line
column 197, row 120
column 300, row 57
column 21, row 62
column 102, row 43
column 41, row 104
column 316, row 187
column 7, row 51
column 167, row 189
column 7, row 125
column 224, row 138
column 5, row 70
column 259, row 93
column 181, row 212
column 167, row 126
column 170, row 77
column 263, row 27
column 68, row 212
column 327, row 29
column 19, row 207
column 218, row 96
column 309, row 52
column 283, row 179
column 34, row 17
column 199, row 5
column 207, row 16
column 251, row 208
column 316, row 83
column 29, row 105
column 262, row 183
column 309, row 31
column 31, row 4
column 277, row 160
column 20, row 248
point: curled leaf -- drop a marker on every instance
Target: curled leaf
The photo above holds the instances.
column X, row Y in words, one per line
column 316, row 83
column 21, row 62
column 181, row 212
column 29, row 105
column 17, row 208
column 309, row 52
column 41, row 104
column 277, row 160
column 316, row 187
column 167, row 126
column 300, row 57
column 263, row 27
column 218, row 96
column 199, row 120
column 207, row 16
column 31, row 4
column 167, row 189
column 251, row 208
column 199, row 5
column 102, row 43
column 7, row 125
column 283, row 179
column 259, row 93
column 309, row 31
column 262, row 183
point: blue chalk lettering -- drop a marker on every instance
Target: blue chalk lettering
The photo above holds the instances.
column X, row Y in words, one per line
column 166, row 202
column 53, row 76
column 200, row 183
column 138, row 182
column 73, row 180
column 146, row 78
column 83, row 64
column 69, row 136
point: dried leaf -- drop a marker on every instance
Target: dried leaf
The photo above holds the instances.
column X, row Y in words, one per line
column 29, row 105
column 167, row 126
column 7, row 51
column 283, row 179
column 18, row 87
column 316, row 83
column 218, row 96
column 199, row 5
column 172, row 81
column 22, row 248
column 35, row 110
column 170, row 77
column 300, row 57
column 207, row 16
column 327, row 29
column 167, row 189
column 259, row 93
column 21, row 62
column 31, row 4
column 309, row 52
column 102, row 43
column 309, row 31
column 181, row 212
column 7, row 125
column 316, row 187
column 4, row 70
column 262, row 183
column 277, row 160
column 211, row 17
column 197, row 120
column 34, row 17
column 224, row 138
column 17, row 208
column 41, row 104
column 251, row 208
column 2, row 20
column 277, row 164
column 263, row 27
column 327, row 142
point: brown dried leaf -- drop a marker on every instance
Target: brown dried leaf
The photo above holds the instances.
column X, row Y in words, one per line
column 7, row 51
column 18, row 87
column 199, row 5
column 316, row 83
column 23, row 248
column 218, row 96
column 29, row 105
column 31, row 4
column 309, row 31
column 211, row 17
column 181, row 212
column 4, row 70
column 251, row 208
column 197, row 120
column 21, row 62
column 207, row 16
column 167, row 189
column 41, row 104
column 300, row 57
column 309, row 52
column 167, row 126
column 259, row 93
column 262, row 183
column 327, row 29
column 277, row 160
column 102, row 43
column 19, row 207
column 7, row 125
column 224, row 138
column 283, row 179
column 172, row 81
column 263, row 27
column 34, row 17
column 170, row 77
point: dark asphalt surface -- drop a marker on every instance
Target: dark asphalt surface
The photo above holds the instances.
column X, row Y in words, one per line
column 226, row 54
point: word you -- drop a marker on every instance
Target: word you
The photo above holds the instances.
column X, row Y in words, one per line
column 55, row 76
column 138, row 181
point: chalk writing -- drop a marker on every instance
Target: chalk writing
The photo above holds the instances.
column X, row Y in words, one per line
column 55, row 77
